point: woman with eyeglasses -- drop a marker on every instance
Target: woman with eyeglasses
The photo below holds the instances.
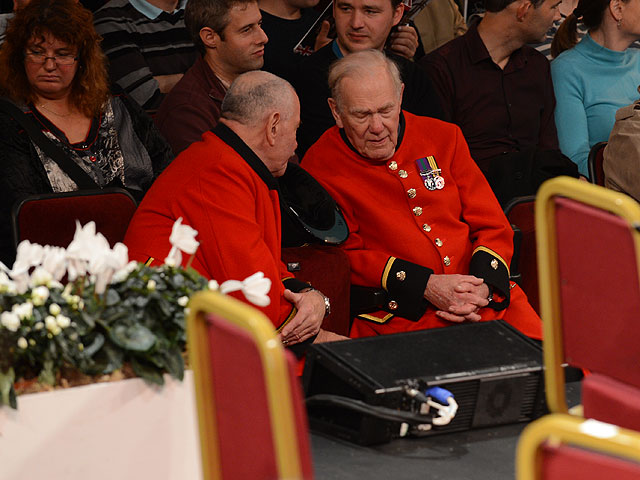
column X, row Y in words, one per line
column 53, row 70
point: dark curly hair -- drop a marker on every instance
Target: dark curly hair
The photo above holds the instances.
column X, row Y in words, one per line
column 68, row 22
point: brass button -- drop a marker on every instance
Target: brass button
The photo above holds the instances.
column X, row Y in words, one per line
column 417, row 211
column 393, row 165
column 401, row 275
column 403, row 174
column 494, row 264
column 447, row 261
column 438, row 242
column 426, row 227
column 411, row 193
column 393, row 305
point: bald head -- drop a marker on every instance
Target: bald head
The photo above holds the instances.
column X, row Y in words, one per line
column 253, row 96
column 359, row 65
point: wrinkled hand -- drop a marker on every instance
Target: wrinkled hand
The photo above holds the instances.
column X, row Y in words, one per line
column 307, row 320
column 404, row 41
column 322, row 38
column 458, row 297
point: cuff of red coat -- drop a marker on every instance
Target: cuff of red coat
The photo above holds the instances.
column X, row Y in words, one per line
column 405, row 283
column 491, row 267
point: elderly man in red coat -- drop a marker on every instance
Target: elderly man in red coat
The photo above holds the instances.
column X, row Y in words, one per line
column 425, row 225
column 225, row 188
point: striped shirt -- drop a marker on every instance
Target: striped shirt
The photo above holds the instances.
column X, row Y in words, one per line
column 143, row 41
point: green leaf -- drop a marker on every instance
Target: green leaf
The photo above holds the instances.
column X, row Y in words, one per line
column 111, row 298
column 147, row 372
column 174, row 363
column 96, row 345
column 134, row 337
column 6, row 386
column 108, row 359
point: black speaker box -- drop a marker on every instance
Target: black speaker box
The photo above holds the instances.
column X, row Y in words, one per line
column 493, row 371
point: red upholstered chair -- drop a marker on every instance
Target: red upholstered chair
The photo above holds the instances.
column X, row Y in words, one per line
column 252, row 421
column 520, row 213
column 562, row 447
column 50, row 219
column 594, row 163
column 588, row 261
column 327, row 269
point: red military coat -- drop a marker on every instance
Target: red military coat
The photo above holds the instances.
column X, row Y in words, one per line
column 223, row 190
column 401, row 231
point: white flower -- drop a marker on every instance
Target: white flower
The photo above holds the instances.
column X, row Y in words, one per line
column 38, row 326
column 50, row 322
column 40, row 277
column 10, row 321
column 6, row 284
column 213, row 285
column 54, row 261
column 122, row 274
column 27, row 255
column 22, row 343
column 151, row 285
column 39, row 295
column 81, row 249
column 54, row 309
column 183, row 301
column 255, row 288
column 23, row 310
column 183, row 239
column 62, row 321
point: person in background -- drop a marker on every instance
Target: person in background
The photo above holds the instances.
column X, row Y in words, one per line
column 228, row 35
column 225, row 187
column 425, row 226
column 499, row 91
column 53, row 72
column 148, row 47
column 6, row 17
column 361, row 25
column 597, row 76
column 439, row 22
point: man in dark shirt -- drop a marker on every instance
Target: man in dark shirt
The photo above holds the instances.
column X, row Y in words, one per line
column 361, row 25
column 498, row 89
column 231, row 42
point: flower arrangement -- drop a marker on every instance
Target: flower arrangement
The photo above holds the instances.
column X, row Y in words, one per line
column 110, row 313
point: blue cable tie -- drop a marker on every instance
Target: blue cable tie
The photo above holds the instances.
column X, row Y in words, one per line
column 439, row 394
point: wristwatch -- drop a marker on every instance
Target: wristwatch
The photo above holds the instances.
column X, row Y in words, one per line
column 327, row 302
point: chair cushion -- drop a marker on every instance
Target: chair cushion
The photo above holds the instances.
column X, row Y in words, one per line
column 568, row 463
column 611, row 401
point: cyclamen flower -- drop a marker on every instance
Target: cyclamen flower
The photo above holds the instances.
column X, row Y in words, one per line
column 182, row 239
column 23, row 310
column 80, row 250
column 255, row 288
column 54, row 261
column 10, row 321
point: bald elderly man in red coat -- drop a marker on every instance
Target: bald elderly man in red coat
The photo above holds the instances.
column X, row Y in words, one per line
column 425, row 225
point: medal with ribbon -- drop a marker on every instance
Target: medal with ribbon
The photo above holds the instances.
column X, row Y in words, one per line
column 430, row 173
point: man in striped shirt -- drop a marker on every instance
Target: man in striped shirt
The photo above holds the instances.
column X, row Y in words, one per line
column 148, row 46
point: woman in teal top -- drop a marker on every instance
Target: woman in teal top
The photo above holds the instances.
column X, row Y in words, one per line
column 597, row 76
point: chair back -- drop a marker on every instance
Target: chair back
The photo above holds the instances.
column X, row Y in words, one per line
column 594, row 163
column 250, row 412
column 50, row 219
column 562, row 447
column 589, row 264
column 520, row 213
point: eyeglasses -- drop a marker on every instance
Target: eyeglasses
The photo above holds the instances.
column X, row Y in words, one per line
column 40, row 58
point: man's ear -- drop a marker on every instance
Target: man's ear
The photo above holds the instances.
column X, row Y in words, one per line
column 523, row 8
column 209, row 37
column 398, row 12
column 335, row 112
column 272, row 128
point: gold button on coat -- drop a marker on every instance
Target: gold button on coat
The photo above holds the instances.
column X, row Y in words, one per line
column 411, row 193
column 447, row 261
column 393, row 305
column 417, row 211
column 426, row 227
column 393, row 165
column 403, row 174
column 401, row 275
column 438, row 242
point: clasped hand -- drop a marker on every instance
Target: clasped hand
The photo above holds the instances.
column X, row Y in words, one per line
column 307, row 320
column 457, row 297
